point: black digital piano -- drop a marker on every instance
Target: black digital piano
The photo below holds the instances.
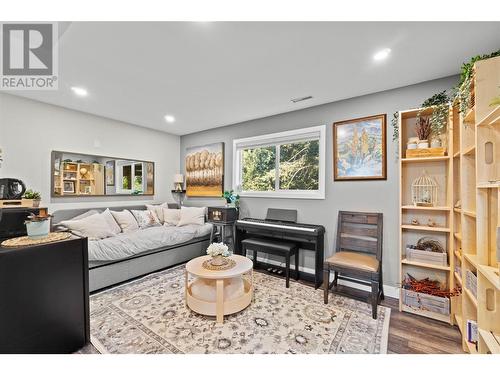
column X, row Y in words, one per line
column 282, row 224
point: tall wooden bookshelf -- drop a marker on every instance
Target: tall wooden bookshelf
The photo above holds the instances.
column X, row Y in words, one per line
column 476, row 221
column 440, row 169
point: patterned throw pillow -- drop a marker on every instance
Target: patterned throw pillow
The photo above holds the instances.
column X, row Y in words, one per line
column 146, row 218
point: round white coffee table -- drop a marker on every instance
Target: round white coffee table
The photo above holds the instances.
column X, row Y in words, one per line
column 220, row 306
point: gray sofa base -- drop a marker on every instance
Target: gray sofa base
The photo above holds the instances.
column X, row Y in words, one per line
column 107, row 275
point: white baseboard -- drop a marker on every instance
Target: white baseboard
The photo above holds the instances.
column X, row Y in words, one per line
column 389, row 291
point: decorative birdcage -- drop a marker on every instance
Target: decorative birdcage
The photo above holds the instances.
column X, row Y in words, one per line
column 424, row 191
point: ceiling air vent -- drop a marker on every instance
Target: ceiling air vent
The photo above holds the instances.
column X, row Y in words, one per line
column 296, row 100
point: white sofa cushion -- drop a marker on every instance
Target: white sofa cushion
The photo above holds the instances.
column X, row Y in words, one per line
column 205, row 289
column 158, row 210
column 192, row 215
column 125, row 220
column 113, row 225
column 95, row 227
column 146, row 218
column 171, row 216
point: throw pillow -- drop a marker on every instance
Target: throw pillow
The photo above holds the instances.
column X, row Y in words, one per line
column 125, row 220
column 158, row 210
column 171, row 216
column 113, row 225
column 145, row 218
column 95, row 227
column 192, row 215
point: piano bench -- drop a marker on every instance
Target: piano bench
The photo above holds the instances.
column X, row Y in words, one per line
column 286, row 249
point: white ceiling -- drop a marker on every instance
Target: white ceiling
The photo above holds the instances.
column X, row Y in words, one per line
column 210, row 74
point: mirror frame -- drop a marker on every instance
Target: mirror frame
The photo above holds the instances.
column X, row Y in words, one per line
column 52, row 170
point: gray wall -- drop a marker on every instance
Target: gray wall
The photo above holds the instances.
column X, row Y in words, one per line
column 377, row 196
column 30, row 130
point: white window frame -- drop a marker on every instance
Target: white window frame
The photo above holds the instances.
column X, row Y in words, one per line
column 119, row 175
column 276, row 139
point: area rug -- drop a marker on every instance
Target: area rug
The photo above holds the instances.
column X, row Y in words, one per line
column 148, row 315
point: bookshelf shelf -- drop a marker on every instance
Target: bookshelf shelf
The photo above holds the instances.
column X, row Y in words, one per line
column 424, row 228
column 492, row 118
column 470, row 116
column 488, row 343
column 425, row 159
column 469, row 294
column 471, row 151
column 425, row 208
column 425, row 265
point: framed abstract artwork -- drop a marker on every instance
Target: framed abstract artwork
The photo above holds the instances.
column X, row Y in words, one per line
column 205, row 170
column 359, row 149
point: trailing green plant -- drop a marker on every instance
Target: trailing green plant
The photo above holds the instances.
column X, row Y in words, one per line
column 463, row 88
column 439, row 118
column 31, row 194
column 395, row 126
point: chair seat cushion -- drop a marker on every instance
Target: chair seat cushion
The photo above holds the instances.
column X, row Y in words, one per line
column 261, row 244
column 354, row 260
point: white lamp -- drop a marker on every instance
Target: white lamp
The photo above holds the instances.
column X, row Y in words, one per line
column 178, row 181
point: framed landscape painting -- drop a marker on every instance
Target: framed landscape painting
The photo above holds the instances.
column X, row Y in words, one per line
column 205, row 170
column 360, row 149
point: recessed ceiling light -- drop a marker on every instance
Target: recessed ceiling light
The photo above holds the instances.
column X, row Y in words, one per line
column 382, row 54
column 169, row 118
column 80, row 91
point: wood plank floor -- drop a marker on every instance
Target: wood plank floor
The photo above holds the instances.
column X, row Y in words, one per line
column 413, row 334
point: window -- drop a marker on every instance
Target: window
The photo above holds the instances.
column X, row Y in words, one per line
column 130, row 176
column 284, row 165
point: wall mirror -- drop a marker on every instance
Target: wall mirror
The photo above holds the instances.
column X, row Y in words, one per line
column 74, row 174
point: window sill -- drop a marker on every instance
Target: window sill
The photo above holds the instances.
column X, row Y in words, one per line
column 285, row 195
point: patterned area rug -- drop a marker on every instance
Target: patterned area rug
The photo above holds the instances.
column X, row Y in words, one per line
column 149, row 316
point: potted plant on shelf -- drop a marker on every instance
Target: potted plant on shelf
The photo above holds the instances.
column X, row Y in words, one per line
column 38, row 226
column 231, row 198
column 423, row 130
column 218, row 251
column 34, row 196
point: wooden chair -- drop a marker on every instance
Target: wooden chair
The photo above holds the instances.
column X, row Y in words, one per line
column 358, row 254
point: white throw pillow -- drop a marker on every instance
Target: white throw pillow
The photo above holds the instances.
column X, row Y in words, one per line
column 171, row 216
column 192, row 215
column 95, row 227
column 125, row 220
column 145, row 218
column 113, row 225
column 158, row 210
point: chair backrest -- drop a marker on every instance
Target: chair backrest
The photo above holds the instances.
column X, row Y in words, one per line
column 281, row 214
column 360, row 232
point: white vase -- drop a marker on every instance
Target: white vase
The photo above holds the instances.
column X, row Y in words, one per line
column 423, row 144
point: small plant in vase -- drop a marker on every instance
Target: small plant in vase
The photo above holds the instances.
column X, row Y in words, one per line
column 218, row 251
column 35, row 196
column 231, row 198
column 423, row 130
